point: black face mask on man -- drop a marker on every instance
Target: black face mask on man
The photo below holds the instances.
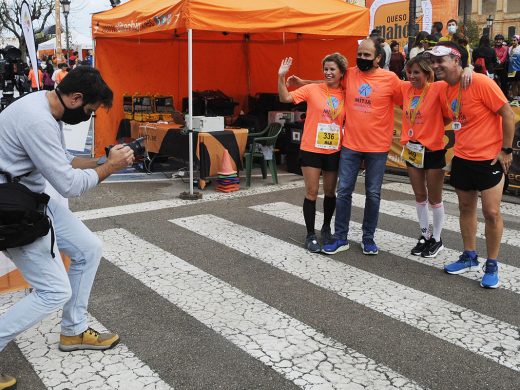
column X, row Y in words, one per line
column 364, row 65
column 73, row 116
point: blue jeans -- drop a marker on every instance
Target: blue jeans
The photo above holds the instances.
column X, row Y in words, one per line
column 52, row 287
column 349, row 164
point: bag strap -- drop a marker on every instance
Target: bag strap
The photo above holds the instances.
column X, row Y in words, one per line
column 15, row 179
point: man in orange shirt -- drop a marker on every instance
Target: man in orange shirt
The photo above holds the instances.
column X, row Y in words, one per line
column 483, row 124
column 371, row 93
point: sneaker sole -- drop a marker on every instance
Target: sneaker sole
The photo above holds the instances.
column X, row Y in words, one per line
column 80, row 347
column 368, row 253
column 342, row 248
column 314, row 251
column 476, row 268
column 494, row 286
column 433, row 254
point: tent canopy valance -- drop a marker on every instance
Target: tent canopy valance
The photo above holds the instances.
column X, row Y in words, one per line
column 151, row 19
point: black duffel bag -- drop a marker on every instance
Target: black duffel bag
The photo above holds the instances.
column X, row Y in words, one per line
column 23, row 214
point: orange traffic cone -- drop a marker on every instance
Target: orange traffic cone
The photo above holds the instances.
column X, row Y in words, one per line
column 226, row 166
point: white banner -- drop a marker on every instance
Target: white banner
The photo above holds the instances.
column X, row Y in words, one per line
column 76, row 135
column 28, row 33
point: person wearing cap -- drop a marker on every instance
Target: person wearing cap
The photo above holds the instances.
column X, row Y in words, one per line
column 483, row 123
column 502, row 52
column 321, row 140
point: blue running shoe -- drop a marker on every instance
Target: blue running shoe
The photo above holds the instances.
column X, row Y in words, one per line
column 490, row 278
column 335, row 246
column 369, row 248
column 465, row 263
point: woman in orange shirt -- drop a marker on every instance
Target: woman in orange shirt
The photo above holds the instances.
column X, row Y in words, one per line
column 321, row 139
column 423, row 151
column 32, row 79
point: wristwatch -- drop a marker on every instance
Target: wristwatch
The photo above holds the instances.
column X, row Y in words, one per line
column 507, row 150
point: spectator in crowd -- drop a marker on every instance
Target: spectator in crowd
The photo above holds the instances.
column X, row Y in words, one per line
column 437, row 30
column 452, row 27
column 385, row 60
column 63, row 69
column 321, row 140
column 397, row 59
column 501, row 68
column 514, row 69
column 418, row 46
column 48, row 82
column 484, row 57
column 429, row 42
column 482, row 155
column 36, row 84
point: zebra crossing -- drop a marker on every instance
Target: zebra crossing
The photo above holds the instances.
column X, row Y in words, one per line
column 259, row 311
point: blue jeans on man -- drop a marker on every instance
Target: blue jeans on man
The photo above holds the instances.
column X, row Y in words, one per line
column 350, row 162
column 52, row 286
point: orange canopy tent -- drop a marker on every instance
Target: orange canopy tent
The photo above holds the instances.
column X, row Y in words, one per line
column 142, row 46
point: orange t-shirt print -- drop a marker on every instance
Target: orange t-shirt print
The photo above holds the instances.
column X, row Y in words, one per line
column 428, row 128
column 480, row 137
column 316, row 96
column 369, row 102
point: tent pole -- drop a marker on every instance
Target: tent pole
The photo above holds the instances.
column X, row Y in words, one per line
column 190, row 103
column 191, row 195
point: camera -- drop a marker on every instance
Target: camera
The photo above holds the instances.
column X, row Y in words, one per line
column 137, row 146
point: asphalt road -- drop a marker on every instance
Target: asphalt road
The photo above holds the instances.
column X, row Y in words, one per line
column 219, row 294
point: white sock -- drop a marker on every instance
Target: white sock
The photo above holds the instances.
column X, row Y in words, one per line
column 438, row 220
column 423, row 217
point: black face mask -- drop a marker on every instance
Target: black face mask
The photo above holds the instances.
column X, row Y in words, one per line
column 73, row 116
column 364, row 65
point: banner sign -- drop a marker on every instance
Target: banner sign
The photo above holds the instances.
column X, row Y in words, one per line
column 392, row 16
column 28, row 33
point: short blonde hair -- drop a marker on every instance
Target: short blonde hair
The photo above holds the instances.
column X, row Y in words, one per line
column 339, row 59
column 424, row 64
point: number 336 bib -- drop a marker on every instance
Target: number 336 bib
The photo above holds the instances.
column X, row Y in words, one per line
column 327, row 136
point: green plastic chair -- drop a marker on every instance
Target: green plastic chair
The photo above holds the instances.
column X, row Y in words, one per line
column 267, row 137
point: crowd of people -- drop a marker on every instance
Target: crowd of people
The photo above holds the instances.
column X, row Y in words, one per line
column 498, row 59
column 350, row 127
column 50, row 72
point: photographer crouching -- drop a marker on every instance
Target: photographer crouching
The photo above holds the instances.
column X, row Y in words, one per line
column 32, row 227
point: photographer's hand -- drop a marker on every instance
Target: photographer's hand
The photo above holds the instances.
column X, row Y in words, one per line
column 120, row 157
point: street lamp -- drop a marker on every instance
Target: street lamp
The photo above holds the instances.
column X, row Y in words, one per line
column 115, row 3
column 489, row 24
column 66, row 9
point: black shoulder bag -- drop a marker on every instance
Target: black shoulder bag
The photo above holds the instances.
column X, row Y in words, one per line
column 23, row 214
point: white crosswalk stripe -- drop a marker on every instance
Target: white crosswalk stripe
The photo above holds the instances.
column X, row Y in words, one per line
column 117, row 368
column 171, row 203
column 473, row 331
column 393, row 243
column 451, row 197
column 396, row 209
column 308, row 358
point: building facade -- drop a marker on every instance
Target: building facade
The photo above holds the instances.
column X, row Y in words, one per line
column 505, row 14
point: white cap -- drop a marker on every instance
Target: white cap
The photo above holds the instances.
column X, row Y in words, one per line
column 441, row 50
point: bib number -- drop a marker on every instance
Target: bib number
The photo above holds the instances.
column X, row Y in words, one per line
column 414, row 154
column 327, row 136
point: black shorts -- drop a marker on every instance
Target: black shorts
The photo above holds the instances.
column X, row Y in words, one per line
column 469, row 175
column 433, row 159
column 325, row 162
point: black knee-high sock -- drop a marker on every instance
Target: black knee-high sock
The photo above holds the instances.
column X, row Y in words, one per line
column 329, row 205
column 309, row 214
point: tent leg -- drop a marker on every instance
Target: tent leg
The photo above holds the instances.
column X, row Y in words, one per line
column 191, row 195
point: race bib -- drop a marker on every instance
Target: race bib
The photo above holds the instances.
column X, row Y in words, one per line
column 414, row 154
column 327, row 136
